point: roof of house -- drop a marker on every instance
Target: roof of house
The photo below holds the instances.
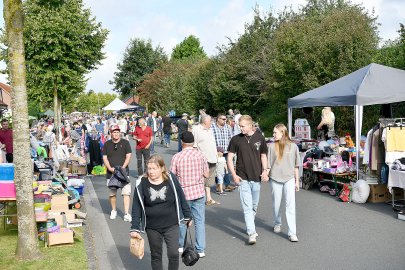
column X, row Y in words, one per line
column 5, row 87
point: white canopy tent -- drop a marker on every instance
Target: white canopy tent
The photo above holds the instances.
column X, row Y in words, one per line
column 117, row 105
column 370, row 85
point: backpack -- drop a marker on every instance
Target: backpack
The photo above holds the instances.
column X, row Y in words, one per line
column 384, row 174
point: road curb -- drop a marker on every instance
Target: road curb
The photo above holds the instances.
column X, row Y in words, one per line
column 105, row 252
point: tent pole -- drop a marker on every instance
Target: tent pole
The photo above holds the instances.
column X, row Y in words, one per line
column 359, row 120
column 290, row 122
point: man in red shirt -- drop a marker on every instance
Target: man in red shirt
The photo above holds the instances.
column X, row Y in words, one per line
column 6, row 138
column 143, row 135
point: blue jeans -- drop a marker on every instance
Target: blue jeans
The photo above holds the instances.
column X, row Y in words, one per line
column 198, row 212
column 227, row 176
column 167, row 138
column 288, row 190
column 249, row 192
column 152, row 145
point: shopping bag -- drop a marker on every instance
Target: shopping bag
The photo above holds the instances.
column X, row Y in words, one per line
column 137, row 247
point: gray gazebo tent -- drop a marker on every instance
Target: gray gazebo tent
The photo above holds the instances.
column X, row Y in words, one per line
column 373, row 84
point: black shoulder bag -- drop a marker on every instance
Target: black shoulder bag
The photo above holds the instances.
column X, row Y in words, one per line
column 190, row 255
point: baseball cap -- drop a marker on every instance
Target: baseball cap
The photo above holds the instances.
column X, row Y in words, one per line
column 184, row 114
column 187, row 137
column 114, row 127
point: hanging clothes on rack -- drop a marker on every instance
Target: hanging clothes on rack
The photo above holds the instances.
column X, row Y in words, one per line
column 393, row 137
column 93, row 145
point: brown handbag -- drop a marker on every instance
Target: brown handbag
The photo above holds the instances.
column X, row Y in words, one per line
column 137, row 247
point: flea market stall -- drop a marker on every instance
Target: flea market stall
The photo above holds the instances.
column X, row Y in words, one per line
column 370, row 85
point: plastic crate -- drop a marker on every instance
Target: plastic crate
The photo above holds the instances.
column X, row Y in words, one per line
column 6, row 172
column 79, row 189
column 7, row 189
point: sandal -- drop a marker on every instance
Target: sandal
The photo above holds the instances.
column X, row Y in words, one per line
column 212, row 202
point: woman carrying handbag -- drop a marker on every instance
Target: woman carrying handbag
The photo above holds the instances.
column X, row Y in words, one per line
column 159, row 206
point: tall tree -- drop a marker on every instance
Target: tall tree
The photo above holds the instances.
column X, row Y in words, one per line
column 171, row 86
column 27, row 245
column 189, row 47
column 140, row 58
column 63, row 43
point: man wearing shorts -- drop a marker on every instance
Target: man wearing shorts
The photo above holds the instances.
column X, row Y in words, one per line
column 117, row 152
column 204, row 141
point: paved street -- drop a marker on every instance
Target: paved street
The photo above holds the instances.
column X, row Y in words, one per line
column 333, row 235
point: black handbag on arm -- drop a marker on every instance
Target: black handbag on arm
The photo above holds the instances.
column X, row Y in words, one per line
column 190, row 255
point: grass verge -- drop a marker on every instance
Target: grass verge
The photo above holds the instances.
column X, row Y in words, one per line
column 57, row 257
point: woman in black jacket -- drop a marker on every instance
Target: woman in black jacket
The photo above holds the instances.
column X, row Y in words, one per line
column 158, row 207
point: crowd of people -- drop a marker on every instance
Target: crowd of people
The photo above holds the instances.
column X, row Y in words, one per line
column 222, row 153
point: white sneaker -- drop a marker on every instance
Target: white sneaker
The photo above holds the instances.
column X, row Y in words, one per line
column 181, row 250
column 128, row 218
column 293, row 238
column 113, row 214
column 252, row 239
column 277, row 228
column 201, row 254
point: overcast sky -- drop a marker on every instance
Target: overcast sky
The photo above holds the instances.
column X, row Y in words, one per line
column 168, row 22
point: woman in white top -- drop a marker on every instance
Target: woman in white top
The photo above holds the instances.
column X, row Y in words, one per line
column 284, row 161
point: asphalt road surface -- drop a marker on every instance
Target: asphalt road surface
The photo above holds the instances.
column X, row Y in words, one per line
column 332, row 234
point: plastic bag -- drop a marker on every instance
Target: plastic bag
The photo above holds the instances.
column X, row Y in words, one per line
column 360, row 191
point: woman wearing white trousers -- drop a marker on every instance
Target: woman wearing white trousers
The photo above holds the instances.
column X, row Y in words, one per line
column 284, row 161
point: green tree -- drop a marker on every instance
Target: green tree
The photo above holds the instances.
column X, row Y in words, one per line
column 323, row 42
column 189, row 47
column 171, row 86
column 140, row 58
column 92, row 102
column 63, row 43
column 27, row 245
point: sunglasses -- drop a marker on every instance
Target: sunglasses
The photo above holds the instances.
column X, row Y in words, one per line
column 223, row 119
column 115, row 147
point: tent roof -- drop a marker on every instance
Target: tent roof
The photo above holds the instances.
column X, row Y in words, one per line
column 115, row 105
column 373, row 84
column 49, row 112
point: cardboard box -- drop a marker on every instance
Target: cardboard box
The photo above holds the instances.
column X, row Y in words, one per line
column 79, row 169
column 57, row 215
column 378, row 193
column 59, row 202
column 60, row 238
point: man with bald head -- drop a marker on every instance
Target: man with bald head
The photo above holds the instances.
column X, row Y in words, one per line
column 204, row 141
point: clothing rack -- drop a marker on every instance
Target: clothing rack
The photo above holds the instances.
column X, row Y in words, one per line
column 385, row 122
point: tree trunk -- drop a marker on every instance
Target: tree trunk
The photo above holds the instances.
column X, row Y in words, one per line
column 27, row 245
column 56, row 118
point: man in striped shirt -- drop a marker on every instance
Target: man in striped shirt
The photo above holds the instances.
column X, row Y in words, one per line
column 191, row 167
column 223, row 134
